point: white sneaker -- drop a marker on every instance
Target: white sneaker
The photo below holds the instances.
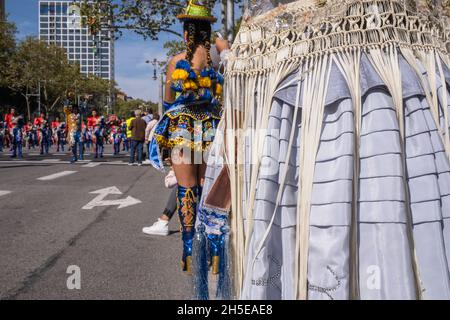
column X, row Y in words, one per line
column 160, row 228
column 147, row 162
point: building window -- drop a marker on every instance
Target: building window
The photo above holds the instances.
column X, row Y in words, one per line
column 44, row 9
column 58, row 9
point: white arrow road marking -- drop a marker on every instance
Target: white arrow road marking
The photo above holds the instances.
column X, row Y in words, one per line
column 4, row 192
column 56, row 175
column 92, row 165
column 99, row 201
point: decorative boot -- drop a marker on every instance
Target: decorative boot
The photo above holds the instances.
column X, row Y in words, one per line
column 187, row 199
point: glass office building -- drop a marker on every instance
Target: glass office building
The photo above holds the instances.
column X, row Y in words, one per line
column 60, row 24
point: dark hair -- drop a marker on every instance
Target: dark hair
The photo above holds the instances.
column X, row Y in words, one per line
column 132, row 114
column 198, row 33
column 156, row 116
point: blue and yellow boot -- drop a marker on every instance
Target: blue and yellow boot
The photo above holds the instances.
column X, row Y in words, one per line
column 187, row 200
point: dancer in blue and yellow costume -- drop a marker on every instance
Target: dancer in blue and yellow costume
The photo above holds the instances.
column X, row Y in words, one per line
column 192, row 114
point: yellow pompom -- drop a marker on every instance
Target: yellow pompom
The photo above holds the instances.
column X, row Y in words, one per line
column 204, row 82
column 180, row 74
column 190, row 85
column 219, row 89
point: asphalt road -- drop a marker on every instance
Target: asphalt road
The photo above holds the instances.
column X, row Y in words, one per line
column 44, row 230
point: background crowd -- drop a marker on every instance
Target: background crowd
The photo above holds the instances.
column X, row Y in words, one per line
column 44, row 133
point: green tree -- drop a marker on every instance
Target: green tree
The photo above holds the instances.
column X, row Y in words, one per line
column 123, row 108
column 7, row 48
column 147, row 18
column 38, row 65
column 174, row 47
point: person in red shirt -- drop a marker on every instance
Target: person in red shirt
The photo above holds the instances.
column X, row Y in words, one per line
column 55, row 123
column 92, row 120
column 39, row 120
column 9, row 118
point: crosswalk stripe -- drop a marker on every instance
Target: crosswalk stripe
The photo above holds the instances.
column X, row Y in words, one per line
column 4, row 192
column 92, row 165
column 56, row 175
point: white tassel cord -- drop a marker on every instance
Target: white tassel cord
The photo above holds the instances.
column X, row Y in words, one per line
column 314, row 94
column 349, row 63
column 385, row 61
column 283, row 175
column 444, row 107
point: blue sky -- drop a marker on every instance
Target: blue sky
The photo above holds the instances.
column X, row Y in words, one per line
column 133, row 75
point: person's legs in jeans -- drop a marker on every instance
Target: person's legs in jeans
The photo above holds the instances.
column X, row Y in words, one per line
column 132, row 151
column 140, row 147
column 47, row 145
column 19, row 147
column 14, row 150
column 74, row 148
column 81, row 146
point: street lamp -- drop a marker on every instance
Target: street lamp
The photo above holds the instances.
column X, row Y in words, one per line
column 158, row 65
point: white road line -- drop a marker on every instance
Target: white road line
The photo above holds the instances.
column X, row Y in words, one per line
column 56, row 175
column 51, row 160
column 32, row 162
column 92, row 165
column 4, row 192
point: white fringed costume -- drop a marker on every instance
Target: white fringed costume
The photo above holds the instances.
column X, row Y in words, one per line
column 352, row 98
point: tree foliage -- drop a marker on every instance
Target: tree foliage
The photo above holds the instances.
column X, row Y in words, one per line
column 147, row 18
column 174, row 47
column 36, row 65
column 7, row 47
column 123, row 108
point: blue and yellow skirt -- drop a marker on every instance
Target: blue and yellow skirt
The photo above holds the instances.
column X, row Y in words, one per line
column 190, row 126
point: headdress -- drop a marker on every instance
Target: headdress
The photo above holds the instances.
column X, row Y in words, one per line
column 196, row 12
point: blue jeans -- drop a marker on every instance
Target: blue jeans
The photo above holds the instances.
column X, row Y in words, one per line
column 136, row 146
column 116, row 148
column 76, row 144
column 81, row 151
column 44, row 147
column 17, row 149
column 60, row 144
column 99, row 150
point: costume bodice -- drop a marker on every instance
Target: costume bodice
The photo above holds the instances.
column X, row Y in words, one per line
column 191, row 86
